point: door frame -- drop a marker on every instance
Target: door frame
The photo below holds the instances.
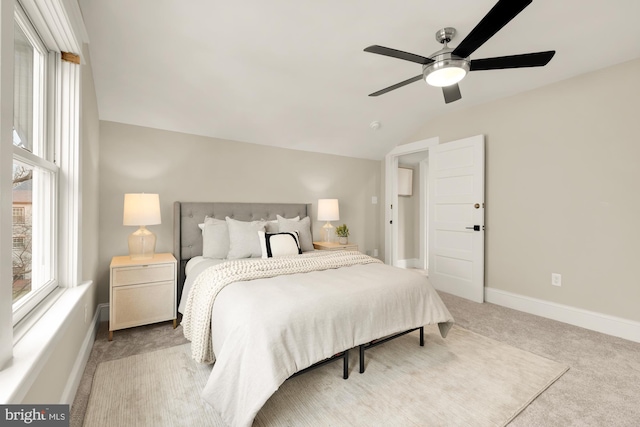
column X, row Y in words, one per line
column 391, row 199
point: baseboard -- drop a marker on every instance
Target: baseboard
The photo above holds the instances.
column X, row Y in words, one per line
column 599, row 322
column 408, row 263
column 69, row 393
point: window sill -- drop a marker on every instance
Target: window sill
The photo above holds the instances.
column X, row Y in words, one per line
column 32, row 318
column 35, row 341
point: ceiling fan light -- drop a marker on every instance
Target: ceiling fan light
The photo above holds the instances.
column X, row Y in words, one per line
column 446, row 76
column 446, row 72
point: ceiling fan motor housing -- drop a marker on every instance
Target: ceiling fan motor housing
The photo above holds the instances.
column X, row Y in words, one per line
column 445, row 35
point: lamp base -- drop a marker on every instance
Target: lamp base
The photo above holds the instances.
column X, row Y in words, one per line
column 142, row 244
column 327, row 231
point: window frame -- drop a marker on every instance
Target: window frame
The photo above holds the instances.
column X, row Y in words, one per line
column 41, row 157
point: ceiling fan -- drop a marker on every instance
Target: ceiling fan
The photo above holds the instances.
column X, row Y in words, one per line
column 446, row 67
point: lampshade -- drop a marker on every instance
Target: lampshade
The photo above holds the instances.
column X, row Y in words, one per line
column 141, row 209
column 328, row 210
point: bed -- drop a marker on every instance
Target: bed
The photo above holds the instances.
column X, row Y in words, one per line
column 288, row 313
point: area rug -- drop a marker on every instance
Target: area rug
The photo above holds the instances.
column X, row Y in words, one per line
column 464, row 380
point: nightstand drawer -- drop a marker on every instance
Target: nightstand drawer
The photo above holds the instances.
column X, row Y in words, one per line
column 334, row 246
column 143, row 274
column 142, row 304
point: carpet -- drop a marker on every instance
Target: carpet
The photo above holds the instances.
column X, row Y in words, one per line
column 466, row 379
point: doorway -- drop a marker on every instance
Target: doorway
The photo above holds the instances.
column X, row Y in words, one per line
column 412, row 204
column 450, row 201
column 416, row 153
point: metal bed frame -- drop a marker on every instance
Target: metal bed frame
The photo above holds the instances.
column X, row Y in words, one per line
column 345, row 365
column 376, row 343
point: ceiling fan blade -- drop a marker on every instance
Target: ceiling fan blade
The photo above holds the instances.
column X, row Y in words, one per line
column 538, row 59
column 499, row 16
column 451, row 93
column 394, row 53
column 397, row 85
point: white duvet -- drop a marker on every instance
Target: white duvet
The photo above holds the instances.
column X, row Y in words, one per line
column 265, row 330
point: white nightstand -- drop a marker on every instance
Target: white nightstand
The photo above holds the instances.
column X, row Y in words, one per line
column 335, row 246
column 142, row 291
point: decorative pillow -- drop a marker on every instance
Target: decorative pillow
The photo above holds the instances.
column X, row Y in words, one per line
column 207, row 220
column 243, row 238
column 215, row 239
column 279, row 244
column 303, row 227
column 272, row 226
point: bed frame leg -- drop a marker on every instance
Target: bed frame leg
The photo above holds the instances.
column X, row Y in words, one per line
column 345, row 365
column 374, row 343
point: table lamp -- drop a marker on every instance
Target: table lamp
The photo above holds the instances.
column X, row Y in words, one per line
column 328, row 210
column 141, row 210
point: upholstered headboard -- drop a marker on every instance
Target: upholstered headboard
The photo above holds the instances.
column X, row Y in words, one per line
column 187, row 236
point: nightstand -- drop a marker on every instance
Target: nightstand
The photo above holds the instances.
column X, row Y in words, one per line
column 335, row 246
column 142, row 291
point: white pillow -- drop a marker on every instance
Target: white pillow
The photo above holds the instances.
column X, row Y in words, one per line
column 303, row 227
column 215, row 239
column 243, row 238
column 272, row 226
column 207, row 220
column 279, row 244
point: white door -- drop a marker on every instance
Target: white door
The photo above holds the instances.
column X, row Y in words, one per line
column 456, row 217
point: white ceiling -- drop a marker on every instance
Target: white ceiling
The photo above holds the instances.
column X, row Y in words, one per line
column 293, row 73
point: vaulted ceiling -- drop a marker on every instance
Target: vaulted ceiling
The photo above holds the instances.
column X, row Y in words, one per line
column 293, row 73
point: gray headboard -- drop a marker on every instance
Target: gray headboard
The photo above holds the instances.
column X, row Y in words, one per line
column 187, row 236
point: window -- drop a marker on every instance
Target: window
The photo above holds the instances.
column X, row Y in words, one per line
column 19, row 242
column 35, row 172
column 18, row 215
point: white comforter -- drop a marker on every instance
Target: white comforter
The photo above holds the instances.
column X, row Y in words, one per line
column 265, row 330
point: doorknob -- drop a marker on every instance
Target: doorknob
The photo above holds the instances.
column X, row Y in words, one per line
column 474, row 228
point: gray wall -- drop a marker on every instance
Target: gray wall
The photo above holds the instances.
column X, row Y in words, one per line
column 562, row 175
column 183, row 167
column 90, row 152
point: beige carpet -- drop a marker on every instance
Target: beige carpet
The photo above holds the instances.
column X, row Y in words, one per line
column 466, row 379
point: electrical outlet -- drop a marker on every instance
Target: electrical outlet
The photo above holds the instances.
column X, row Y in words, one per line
column 86, row 313
column 556, row 279
column 374, row 200
column 375, row 252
